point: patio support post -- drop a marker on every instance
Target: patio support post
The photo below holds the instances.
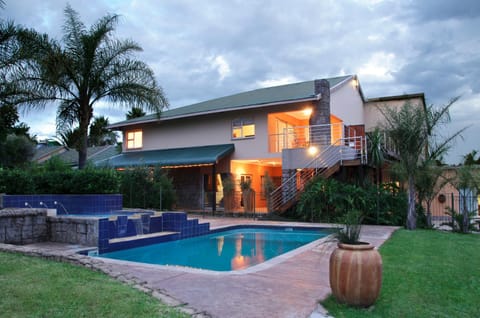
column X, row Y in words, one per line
column 214, row 189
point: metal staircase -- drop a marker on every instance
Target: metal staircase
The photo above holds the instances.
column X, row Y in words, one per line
column 345, row 151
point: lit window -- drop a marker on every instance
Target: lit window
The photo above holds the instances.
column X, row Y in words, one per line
column 243, row 128
column 134, row 139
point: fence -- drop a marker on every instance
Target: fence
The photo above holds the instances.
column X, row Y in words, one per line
column 443, row 202
column 232, row 205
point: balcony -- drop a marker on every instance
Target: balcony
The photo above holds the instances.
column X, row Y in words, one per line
column 307, row 136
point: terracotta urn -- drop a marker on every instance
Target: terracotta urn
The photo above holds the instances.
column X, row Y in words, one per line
column 356, row 274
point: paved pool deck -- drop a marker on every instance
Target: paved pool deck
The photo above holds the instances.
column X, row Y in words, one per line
column 289, row 286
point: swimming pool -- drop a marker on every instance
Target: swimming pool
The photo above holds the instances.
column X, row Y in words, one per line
column 228, row 250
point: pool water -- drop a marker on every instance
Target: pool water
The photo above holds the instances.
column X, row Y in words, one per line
column 222, row 251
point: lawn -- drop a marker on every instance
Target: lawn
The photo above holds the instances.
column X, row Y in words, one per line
column 425, row 274
column 33, row 287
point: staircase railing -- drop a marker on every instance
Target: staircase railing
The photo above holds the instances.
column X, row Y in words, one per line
column 325, row 163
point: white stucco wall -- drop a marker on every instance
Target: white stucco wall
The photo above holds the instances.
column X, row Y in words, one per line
column 347, row 104
column 210, row 130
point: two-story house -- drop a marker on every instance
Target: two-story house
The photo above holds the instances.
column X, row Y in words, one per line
column 290, row 133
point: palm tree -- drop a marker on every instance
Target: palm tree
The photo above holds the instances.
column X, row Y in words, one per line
column 135, row 112
column 70, row 138
column 100, row 135
column 412, row 129
column 377, row 159
column 428, row 182
column 470, row 158
column 89, row 67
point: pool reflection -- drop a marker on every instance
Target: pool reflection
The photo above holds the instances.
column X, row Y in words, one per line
column 256, row 255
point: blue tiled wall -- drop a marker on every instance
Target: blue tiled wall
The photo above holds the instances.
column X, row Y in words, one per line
column 167, row 222
column 73, row 203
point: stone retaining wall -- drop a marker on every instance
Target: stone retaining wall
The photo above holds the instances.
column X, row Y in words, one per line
column 73, row 230
column 26, row 226
column 23, row 226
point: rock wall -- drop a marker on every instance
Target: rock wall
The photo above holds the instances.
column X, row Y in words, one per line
column 73, row 230
column 26, row 226
column 23, row 226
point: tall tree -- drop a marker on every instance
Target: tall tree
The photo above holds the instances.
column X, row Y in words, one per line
column 377, row 159
column 429, row 181
column 99, row 134
column 413, row 130
column 70, row 137
column 135, row 112
column 87, row 67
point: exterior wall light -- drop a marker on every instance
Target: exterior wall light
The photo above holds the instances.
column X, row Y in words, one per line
column 312, row 150
column 307, row 112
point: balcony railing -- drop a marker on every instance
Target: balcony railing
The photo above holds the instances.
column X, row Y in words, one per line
column 305, row 136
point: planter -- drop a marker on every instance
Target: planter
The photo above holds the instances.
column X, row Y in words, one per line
column 248, row 199
column 356, row 274
column 228, row 201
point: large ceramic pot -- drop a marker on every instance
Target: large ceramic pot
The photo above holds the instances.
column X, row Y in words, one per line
column 356, row 274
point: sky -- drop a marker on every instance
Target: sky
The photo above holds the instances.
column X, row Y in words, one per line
column 201, row 50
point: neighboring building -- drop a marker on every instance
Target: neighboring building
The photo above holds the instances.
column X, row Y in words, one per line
column 290, row 132
column 45, row 152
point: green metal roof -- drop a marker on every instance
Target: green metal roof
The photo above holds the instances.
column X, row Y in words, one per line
column 257, row 97
column 170, row 157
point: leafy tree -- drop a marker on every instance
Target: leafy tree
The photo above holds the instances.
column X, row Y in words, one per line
column 89, row 65
column 8, row 119
column 413, row 130
column 471, row 158
column 16, row 151
column 135, row 112
column 100, row 135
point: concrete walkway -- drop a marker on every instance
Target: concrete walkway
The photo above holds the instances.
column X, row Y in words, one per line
column 287, row 286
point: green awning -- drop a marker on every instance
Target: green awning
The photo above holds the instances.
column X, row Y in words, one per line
column 190, row 156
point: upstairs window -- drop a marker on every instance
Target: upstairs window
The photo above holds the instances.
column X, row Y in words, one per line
column 134, row 139
column 243, row 128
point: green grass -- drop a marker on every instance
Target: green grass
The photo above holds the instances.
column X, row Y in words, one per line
column 33, row 287
column 425, row 274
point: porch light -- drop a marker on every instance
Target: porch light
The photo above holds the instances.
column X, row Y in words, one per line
column 307, row 112
column 312, row 150
column 355, row 82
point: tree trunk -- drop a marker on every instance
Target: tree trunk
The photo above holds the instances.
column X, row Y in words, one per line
column 466, row 219
column 82, row 152
column 429, row 214
column 412, row 215
column 85, row 114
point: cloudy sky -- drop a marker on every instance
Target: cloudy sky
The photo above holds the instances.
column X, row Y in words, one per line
column 205, row 49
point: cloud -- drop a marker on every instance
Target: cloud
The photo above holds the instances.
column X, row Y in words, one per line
column 199, row 52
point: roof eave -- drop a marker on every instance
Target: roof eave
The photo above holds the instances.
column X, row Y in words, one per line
column 216, row 111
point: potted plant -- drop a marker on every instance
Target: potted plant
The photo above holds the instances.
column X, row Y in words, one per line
column 355, row 266
column 228, row 194
column 248, row 195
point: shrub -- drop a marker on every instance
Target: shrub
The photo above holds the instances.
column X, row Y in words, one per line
column 327, row 200
column 95, row 180
column 56, row 177
column 143, row 187
column 16, row 181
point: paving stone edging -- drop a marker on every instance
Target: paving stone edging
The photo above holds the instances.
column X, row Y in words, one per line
column 103, row 267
